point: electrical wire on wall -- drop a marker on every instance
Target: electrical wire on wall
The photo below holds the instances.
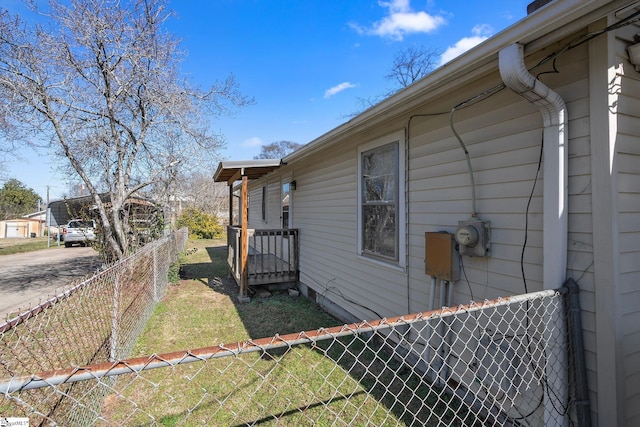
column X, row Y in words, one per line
column 526, row 218
column 522, row 341
column 467, row 103
column 336, row 291
column 629, row 20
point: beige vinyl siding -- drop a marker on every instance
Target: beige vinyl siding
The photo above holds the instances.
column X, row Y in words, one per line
column 628, row 176
column 324, row 208
column 326, row 211
column 273, row 193
column 255, row 206
column 274, row 203
column 503, row 135
column 580, row 257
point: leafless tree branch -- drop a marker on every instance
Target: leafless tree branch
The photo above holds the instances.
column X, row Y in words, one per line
column 101, row 80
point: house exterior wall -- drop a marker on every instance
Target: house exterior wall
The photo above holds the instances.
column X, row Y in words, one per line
column 503, row 134
column 21, row 228
column 610, row 202
column 627, row 181
column 327, row 221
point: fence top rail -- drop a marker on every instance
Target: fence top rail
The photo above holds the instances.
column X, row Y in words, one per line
column 154, row 361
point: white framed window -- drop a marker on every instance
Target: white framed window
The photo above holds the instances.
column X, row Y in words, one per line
column 286, row 205
column 264, row 203
column 381, row 200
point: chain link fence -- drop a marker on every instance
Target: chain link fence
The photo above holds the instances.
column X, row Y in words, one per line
column 501, row 362
column 96, row 320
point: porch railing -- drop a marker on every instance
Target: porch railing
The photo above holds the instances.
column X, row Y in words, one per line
column 272, row 256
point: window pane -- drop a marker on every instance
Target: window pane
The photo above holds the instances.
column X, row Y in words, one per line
column 286, row 194
column 379, row 171
column 379, row 233
column 379, row 182
column 264, row 203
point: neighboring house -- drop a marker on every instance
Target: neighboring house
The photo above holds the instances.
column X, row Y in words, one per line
column 556, row 165
column 21, row 227
column 40, row 215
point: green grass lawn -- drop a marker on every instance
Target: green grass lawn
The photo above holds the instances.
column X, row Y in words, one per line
column 15, row 246
column 342, row 381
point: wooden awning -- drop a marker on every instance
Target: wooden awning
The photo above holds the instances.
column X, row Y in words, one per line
column 231, row 171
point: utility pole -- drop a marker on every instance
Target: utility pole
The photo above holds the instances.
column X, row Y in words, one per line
column 48, row 221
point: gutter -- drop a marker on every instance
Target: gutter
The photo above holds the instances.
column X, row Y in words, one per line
column 555, row 152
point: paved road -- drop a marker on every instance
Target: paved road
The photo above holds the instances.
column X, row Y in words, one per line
column 29, row 277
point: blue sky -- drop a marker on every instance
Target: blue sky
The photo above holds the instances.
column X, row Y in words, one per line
column 307, row 63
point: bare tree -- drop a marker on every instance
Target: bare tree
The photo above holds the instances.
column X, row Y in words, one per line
column 277, row 150
column 412, row 64
column 409, row 65
column 101, row 81
column 197, row 190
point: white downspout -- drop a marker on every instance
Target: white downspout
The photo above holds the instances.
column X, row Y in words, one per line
column 554, row 116
column 555, row 216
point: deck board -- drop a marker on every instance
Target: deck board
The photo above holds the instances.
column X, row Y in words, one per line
column 269, row 269
column 272, row 256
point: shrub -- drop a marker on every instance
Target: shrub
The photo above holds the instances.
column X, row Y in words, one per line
column 174, row 273
column 201, row 224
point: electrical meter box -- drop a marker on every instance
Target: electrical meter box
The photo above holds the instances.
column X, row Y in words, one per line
column 473, row 238
column 441, row 258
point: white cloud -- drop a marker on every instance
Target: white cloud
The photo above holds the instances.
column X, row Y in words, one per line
column 252, row 142
column 337, row 89
column 401, row 20
column 396, row 5
column 480, row 34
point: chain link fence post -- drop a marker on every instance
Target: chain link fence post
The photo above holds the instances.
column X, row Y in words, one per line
column 156, row 297
column 113, row 345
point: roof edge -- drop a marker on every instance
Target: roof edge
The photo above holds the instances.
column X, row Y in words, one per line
column 243, row 164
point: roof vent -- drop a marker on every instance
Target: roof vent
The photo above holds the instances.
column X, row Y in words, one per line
column 537, row 4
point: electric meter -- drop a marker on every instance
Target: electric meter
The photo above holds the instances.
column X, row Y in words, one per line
column 473, row 238
column 467, row 235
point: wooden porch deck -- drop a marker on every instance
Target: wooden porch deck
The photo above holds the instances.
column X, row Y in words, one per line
column 272, row 256
column 267, row 269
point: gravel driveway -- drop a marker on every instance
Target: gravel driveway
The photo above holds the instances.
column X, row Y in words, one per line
column 30, row 278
